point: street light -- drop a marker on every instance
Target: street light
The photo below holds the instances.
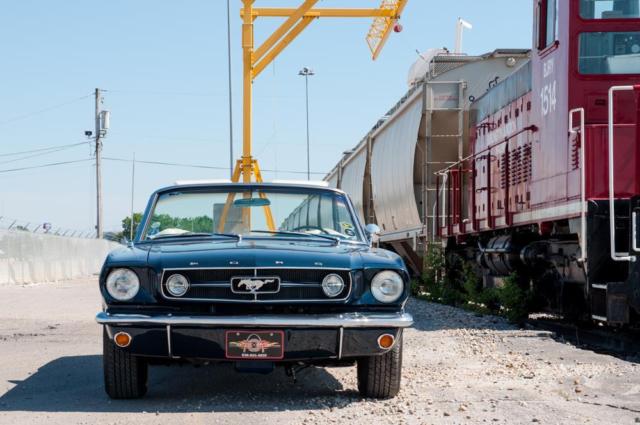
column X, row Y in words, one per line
column 306, row 73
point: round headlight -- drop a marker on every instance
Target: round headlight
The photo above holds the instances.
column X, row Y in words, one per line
column 177, row 285
column 387, row 286
column 123, row 284
column 332, row 285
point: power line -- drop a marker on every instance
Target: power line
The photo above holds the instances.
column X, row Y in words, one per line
column 32, row 156
column 148, row 136
column 52, row 164
column 42, row 111
column 208, row 167
column 189, row 94
column 165, row 93
column 47, row 152
column 292, row 172
column 175, row 164
column 43, row 149
column 172, row 164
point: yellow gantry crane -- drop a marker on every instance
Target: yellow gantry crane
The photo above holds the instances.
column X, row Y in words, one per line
column 255, row 60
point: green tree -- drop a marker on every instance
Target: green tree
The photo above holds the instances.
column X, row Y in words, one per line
column 126, row 225
column 160, row 222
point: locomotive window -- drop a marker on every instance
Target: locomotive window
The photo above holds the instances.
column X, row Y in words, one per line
column 610, row 9
column 552, row 21
column 609, row 53
column 547, row 23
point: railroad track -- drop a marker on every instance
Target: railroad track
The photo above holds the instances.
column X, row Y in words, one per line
column 622, row 343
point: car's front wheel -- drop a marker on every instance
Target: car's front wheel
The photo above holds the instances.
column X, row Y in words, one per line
column 379, row 376
column 125, row 375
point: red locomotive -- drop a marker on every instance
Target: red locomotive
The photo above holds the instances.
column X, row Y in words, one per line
column 550, row 188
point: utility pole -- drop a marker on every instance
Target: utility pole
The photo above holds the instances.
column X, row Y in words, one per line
column 306, row 73
column 230, row 91
column 133, row 185
column 102, row 125
column 98, row 135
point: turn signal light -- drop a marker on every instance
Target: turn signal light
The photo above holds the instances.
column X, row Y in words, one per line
column 386, row 341
column 122, row 339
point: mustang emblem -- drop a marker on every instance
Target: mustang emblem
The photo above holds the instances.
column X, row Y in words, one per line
column 253, row 285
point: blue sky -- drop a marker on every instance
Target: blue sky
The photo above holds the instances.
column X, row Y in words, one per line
column 163, row 64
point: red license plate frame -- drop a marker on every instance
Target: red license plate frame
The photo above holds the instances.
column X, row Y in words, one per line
column 251, row 344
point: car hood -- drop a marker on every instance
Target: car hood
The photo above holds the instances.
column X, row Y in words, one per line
column 254, row 253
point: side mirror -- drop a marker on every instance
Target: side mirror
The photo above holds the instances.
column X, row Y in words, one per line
column 372, row 229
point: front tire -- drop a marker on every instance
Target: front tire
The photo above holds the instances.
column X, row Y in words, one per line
column 379, row 376
column 125, row 375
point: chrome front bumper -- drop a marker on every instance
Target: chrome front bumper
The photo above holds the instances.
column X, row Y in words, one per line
column 345, row 320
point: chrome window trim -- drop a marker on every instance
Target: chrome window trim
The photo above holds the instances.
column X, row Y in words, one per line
column 238, row 187
column 255, row 300
column 147, row 219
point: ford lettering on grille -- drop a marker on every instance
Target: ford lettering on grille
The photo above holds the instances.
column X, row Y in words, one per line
column 255, row 285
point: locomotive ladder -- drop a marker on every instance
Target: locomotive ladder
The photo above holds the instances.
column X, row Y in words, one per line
column 440, row 197
column 609, row 301
column 583, row 185
column 618, row 256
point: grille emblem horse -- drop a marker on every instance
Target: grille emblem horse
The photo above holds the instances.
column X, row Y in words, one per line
column 254, row 285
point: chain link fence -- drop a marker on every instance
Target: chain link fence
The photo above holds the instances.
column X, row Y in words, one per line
column 8, row 223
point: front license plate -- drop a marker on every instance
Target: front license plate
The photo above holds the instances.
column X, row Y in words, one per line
column 254, row 345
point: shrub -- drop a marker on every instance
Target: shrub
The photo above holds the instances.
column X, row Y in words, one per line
column 471, row 282
column 417, row 287
column 515, row 299
column 462, row 286
column 490, row 298
column 450, row 293
column 433, row 265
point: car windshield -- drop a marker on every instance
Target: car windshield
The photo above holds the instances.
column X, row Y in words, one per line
column 259, row 212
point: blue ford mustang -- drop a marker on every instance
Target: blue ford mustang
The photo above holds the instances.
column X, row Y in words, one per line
column 259, row 275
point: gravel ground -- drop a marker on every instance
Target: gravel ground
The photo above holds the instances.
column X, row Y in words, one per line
column 458, row 368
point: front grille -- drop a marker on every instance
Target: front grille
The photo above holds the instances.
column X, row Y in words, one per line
column 296, row 285
column 286, row 275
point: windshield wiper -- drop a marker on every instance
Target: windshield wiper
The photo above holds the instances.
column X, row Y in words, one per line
column 335, row 239
column 196, row 234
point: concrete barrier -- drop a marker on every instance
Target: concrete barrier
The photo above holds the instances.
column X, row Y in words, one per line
column 26, row 257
